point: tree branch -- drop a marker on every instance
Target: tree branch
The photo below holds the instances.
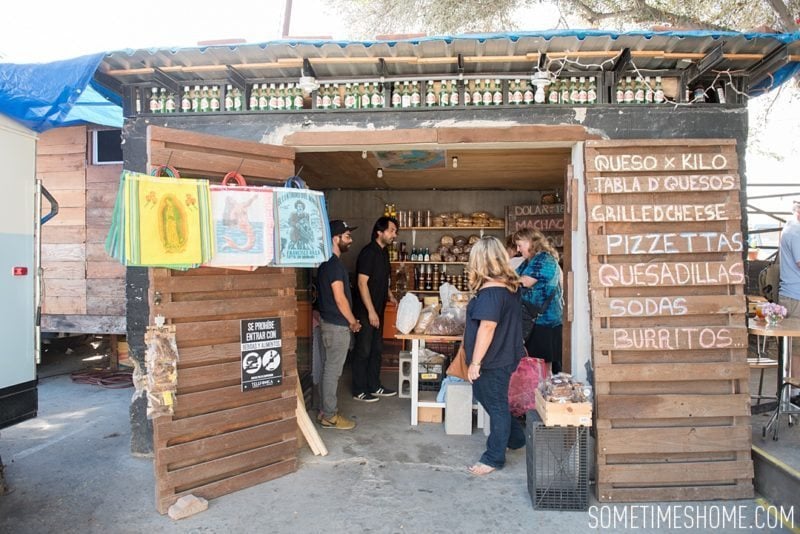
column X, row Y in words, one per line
column 785, row 17
column 642, row 12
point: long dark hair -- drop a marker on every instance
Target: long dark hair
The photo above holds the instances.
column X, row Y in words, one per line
column 382, row 224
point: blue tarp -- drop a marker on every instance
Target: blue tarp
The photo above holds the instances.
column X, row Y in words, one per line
column 42, row 96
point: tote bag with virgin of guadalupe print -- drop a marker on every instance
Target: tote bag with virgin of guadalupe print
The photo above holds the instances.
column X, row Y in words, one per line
column 243, row 224
column 302, row 231
column 167, row 221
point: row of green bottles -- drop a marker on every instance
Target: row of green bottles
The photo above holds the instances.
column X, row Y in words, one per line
column 363, row 96
column 275, row 97
column 199, row 100
column 639, row 91
column 406, row 95
column 483, row 93
column 161, row 101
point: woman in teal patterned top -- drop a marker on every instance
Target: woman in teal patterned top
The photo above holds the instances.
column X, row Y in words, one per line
column 540, row 274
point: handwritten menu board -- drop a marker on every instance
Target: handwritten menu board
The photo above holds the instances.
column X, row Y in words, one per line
column 667, row 317
column 547, row 218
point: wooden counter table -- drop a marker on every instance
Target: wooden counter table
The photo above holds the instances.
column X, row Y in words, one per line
column 417, row 344
column 785, row 331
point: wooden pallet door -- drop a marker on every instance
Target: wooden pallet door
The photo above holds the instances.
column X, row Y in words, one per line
column 668, row 320
column 221, row 439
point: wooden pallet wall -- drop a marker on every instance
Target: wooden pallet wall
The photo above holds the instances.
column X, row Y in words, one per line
column 221, row 439
column 84, row 288
column 668, row 320
column 61, row 165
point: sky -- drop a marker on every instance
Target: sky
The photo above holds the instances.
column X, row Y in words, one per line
column 48, row 30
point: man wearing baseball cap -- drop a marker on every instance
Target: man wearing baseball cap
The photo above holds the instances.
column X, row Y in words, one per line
column 338, row 324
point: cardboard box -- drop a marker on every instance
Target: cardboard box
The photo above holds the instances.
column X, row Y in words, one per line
column 430, row 415
column 563, row 414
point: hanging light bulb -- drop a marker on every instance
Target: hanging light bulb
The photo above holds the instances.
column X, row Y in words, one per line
column 380, row 173
column 454, row 161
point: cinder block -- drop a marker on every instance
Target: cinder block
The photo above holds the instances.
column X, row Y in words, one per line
column 458, row 409
column 404, row 375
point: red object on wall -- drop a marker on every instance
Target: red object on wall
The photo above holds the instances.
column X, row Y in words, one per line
column 20, row 271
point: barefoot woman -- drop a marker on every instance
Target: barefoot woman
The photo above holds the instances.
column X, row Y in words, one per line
column 493, row 346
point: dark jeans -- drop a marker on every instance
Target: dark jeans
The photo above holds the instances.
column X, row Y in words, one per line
column 491, row 390
column 367, row 358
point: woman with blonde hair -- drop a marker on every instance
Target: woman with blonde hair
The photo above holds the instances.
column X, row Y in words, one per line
column 540, row 276
column 493, row 347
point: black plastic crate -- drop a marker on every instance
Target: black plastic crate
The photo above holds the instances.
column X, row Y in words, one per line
column 558, row 465
column 431, row 375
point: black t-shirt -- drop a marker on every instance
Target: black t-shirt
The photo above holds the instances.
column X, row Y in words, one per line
column 499, row 305
column 329, row 272
column 373, row 261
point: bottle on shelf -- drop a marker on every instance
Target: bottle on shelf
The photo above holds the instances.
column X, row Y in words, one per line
column 582, row 94
column 376, row 97
column 454, row 93
column 162, row 101
column 252, row 104
column 591, row 92
column 336, row 97
column 477, row 95
column 196, row 99
column 620, row 94
column 436, row 279
column 648, row 90
column 444, row 94
column 228, row 97
column 553, row 92
column 365, row 100
column 564, row 92
column 326, row 96
column 213, row 98
column 186, row 100
column 516, row 93
column 205, row 102
column 658, row 95
column 638, row 95
column 349, row 97
column 527, row 95
column 430, row 95
column 397, row 100
column 415, row 96
column 428, row 278
column 263, row 98
column 427, row 255
column 629, row 90
column 574, row 91
column 154, row 104
column 405, row 96
column 414, row 255
column 488, row 93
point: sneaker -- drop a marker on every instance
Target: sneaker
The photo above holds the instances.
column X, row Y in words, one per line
column 337, row 421
column 384, row 392
column 366, row 397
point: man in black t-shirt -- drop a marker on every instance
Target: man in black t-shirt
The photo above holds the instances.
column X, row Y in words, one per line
column 372, row 268
column 337, row 324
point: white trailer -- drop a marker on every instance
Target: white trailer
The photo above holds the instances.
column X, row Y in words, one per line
column 19, row 273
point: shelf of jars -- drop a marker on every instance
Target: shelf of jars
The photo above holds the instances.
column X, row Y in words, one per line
column 286, row 96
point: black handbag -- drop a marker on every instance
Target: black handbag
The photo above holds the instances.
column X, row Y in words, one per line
column 531, row 312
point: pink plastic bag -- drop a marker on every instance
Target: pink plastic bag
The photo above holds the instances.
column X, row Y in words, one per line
column 524, row 381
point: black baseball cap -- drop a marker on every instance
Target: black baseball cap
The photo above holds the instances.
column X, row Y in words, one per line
column 338, row 227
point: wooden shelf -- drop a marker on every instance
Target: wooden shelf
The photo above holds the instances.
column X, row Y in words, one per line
column 453, row 228
column 427, row 262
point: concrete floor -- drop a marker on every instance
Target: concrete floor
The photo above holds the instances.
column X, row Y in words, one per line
column 70, row 470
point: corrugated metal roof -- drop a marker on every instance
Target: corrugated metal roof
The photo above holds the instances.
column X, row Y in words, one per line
column 436, row 56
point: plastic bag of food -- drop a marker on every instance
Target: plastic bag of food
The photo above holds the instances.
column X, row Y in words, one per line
column 407, row 313
column 426, row 317
column 449, row 323
column 446, row 292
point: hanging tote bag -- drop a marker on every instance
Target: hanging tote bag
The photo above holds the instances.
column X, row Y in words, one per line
column 302, row 231
column 243, row 224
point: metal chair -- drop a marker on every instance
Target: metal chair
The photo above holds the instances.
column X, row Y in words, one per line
column 783, row 408
column 761, row 362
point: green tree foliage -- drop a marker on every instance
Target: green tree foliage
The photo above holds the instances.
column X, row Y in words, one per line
column 367, row 18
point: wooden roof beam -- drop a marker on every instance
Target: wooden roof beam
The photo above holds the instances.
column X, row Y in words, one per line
column 770, row 63
column 165, row 80
column 709, row 61
column 237, row 79
column 622, row 61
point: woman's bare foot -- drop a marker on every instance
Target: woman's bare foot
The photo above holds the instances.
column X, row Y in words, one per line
column 481, row 469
